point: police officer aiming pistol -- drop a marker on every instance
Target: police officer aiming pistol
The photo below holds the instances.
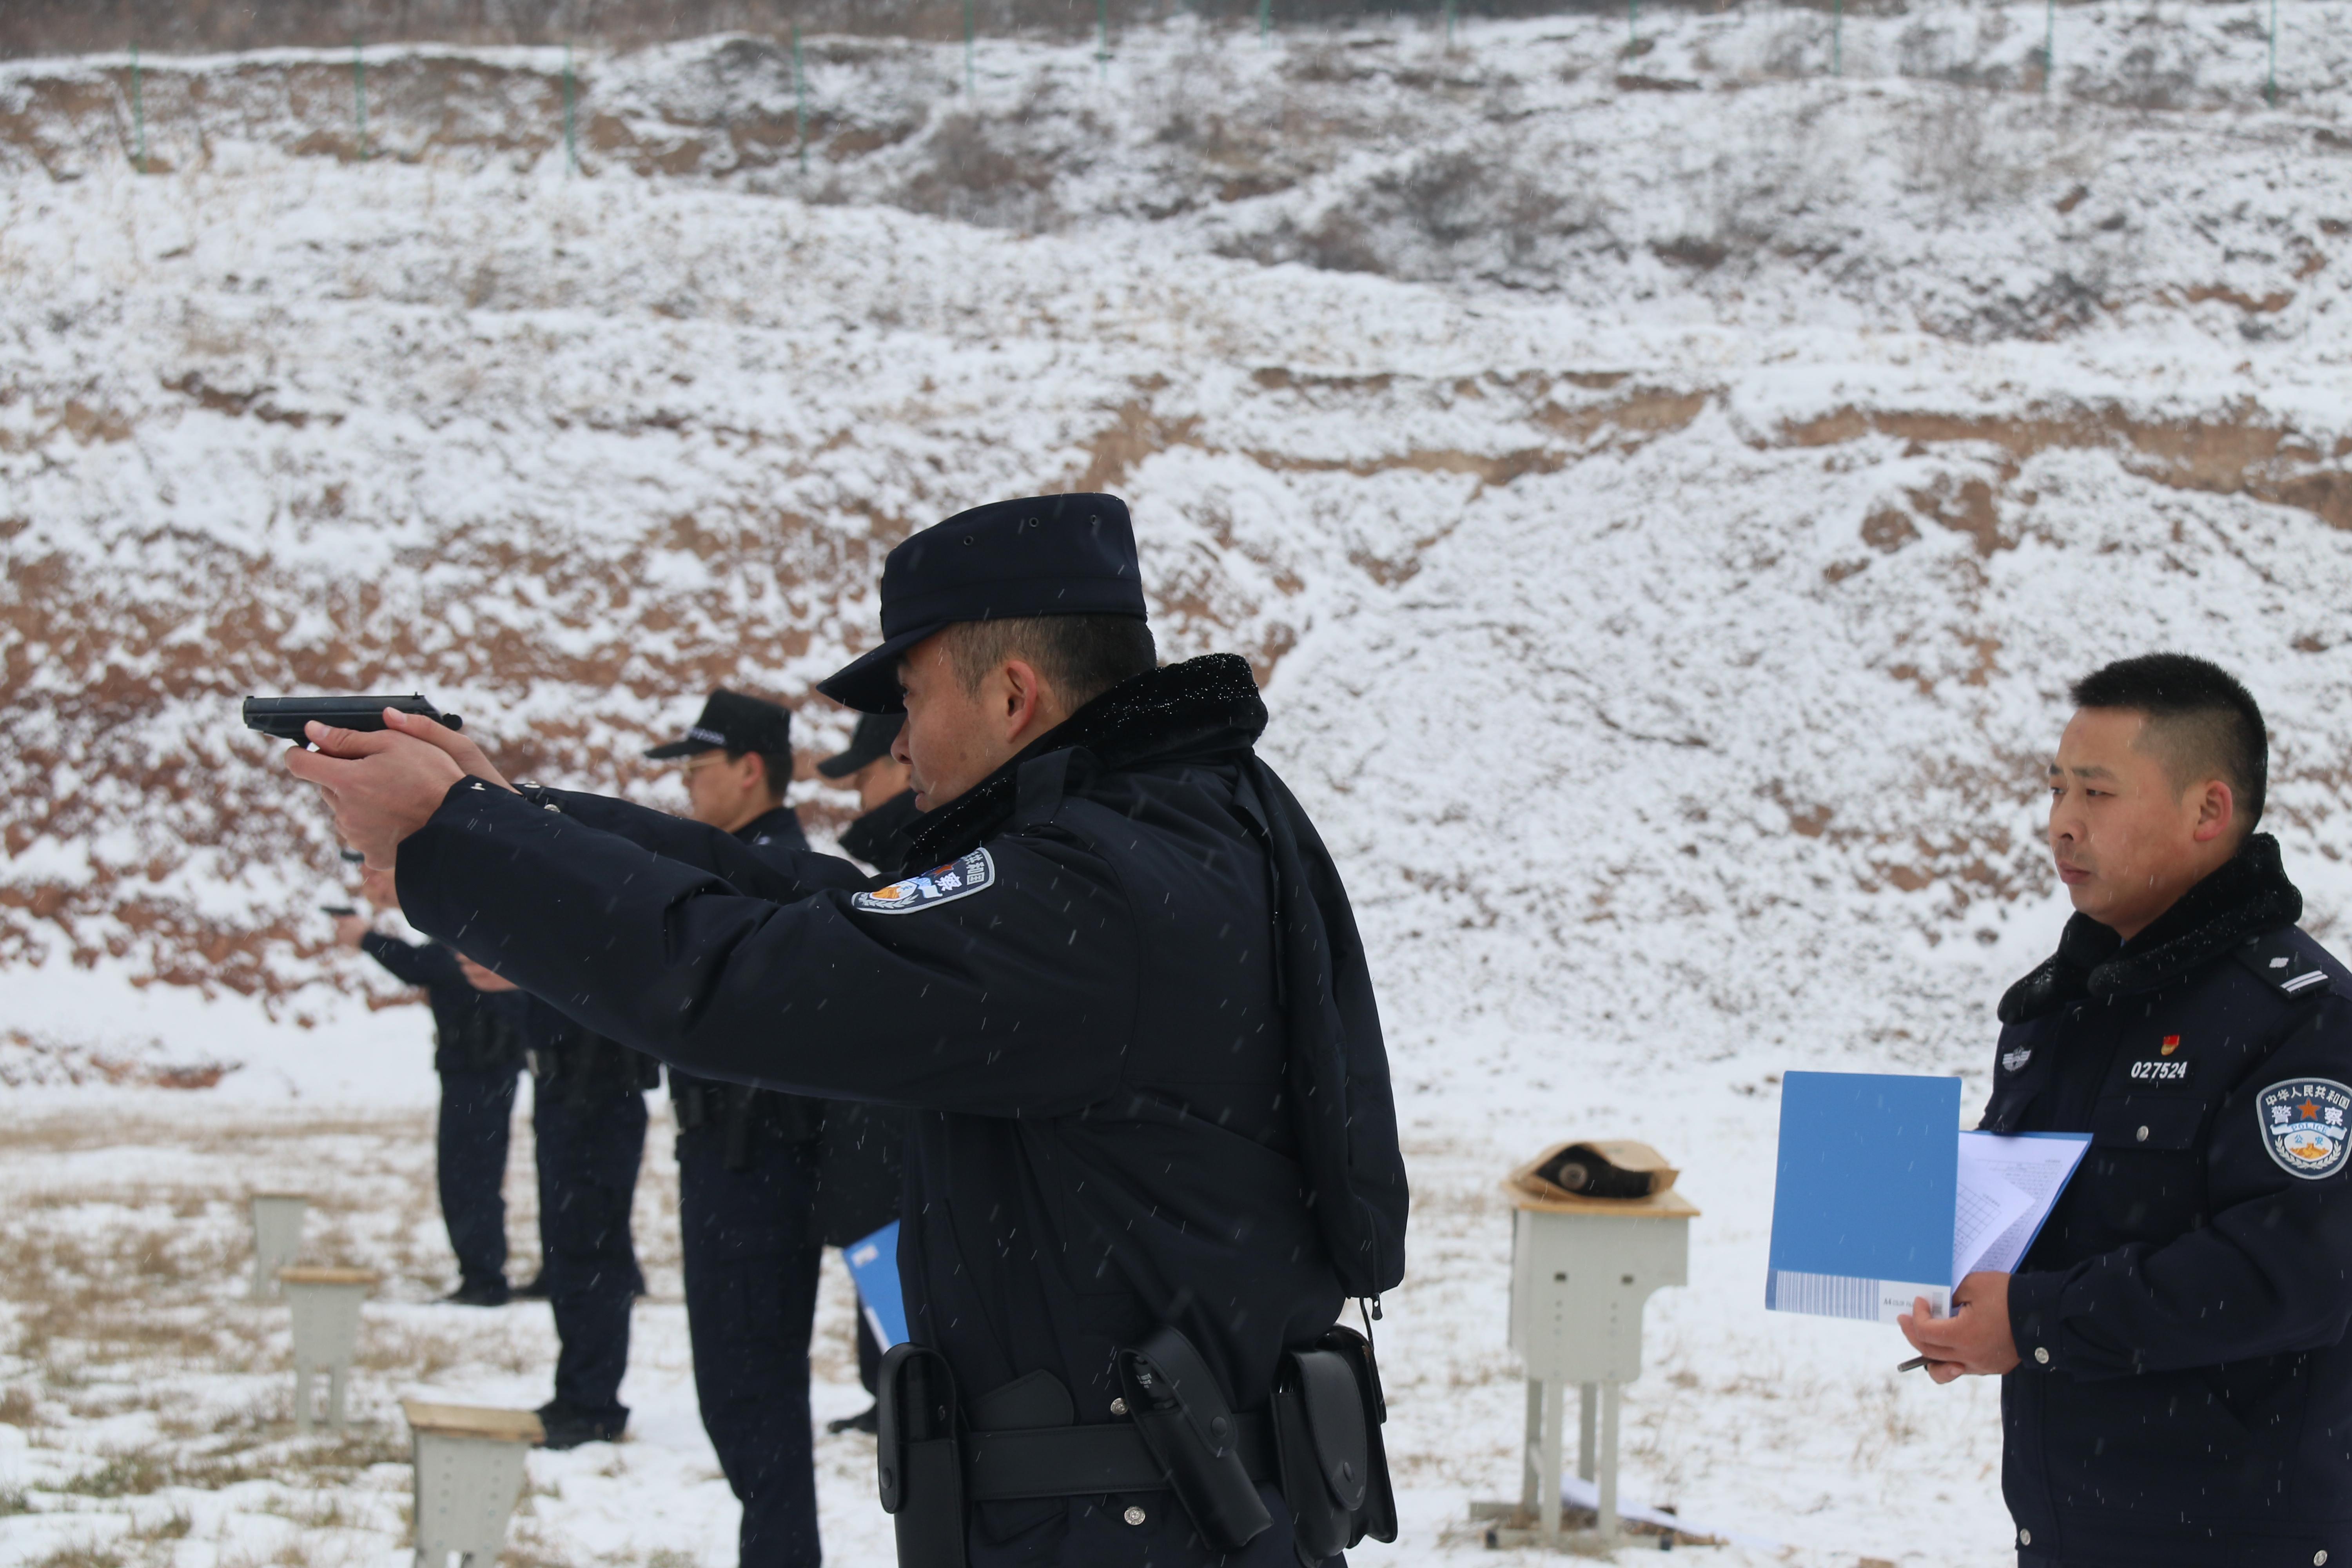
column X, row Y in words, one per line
column 478, row 1055
column 2176, row 1388
column 1152, row 1146
column 747, row 1171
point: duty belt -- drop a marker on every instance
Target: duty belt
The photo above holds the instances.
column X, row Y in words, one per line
column 1084, row 1461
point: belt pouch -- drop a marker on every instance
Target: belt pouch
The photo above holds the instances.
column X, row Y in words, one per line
column 1181, row 1414
column 1377, row 1516
column 917, row 1463
column 688, row 1104
column 1325, row 1456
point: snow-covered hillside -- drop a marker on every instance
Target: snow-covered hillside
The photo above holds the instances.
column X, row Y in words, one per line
column 1665, row 494
column 1660, row 637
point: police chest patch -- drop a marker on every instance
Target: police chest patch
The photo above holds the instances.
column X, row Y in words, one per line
column 2303, row 1125
column 941, row 885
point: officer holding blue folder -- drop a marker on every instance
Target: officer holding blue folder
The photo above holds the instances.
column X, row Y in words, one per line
column 2176, row 1385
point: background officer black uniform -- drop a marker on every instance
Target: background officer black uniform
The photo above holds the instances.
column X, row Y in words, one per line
column 2184, row 1394
column 861, row 1159
column 747, row 1177
column 1129, row 1006
column 882, row 835
column 588, row 1114
column 477, row 1053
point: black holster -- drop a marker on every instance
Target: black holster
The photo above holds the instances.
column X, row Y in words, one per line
column 1183, row 1415
column 1328, row 1411
column 917, row 1459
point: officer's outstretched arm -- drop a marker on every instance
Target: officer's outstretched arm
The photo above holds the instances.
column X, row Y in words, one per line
column 2268, row 1274
column 1010, row 992
column 768, row 872
column 409, row 963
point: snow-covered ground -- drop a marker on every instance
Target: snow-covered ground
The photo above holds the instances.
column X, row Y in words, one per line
column 148, row 1405
column 1664, row 494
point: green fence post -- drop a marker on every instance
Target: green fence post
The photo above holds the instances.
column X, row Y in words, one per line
column 2049, row 47
column 1449, row 22
column 800, row 99
column 358, row 93
column 1264, row 21
column 1102, row 38
column 2270, row 90
column 1632, row 27
column 571, row 143
column 140, row 109
column 1837, row 39
column 967, row 48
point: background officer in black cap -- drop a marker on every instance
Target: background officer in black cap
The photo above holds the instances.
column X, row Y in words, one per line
column 862, row 1151
column 886, row 801
column 1153, row 1146
column 478, row 1055
column 746, row 1183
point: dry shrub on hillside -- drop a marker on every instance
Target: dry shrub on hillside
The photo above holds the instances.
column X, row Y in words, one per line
column 981, row 169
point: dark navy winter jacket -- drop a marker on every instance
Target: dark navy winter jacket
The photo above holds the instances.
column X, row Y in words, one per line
column 1084, row 1006
column 2185, row 1396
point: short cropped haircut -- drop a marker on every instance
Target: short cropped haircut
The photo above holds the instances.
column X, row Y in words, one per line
column 1084, row 656
column 777, row 767
column 2201, row 723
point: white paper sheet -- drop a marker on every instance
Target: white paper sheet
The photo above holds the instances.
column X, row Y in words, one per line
column 1987, row 1208
column 2009, row 1183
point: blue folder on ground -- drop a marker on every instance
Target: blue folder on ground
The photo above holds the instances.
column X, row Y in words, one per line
column 873, row 1265
column 1881, row 1199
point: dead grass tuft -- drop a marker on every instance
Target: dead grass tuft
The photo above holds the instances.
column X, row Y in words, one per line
column 79, row 1555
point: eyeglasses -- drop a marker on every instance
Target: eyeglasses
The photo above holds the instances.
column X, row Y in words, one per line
column 686, row 765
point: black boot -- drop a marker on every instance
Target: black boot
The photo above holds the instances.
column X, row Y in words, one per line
column 480, row 1293
column 568, row 1425
column 869, row 1421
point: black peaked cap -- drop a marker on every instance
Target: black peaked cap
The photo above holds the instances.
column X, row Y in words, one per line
column 734, row 722
column 870, row 743
column 1042, row 555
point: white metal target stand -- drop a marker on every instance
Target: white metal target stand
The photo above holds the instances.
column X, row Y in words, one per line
column 1581, row 1271
column 277, row 1237
column 469, row 1464
column 326, row 1310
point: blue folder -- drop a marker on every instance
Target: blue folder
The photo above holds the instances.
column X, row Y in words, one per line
column 1869, row 1176
column 874, row 1266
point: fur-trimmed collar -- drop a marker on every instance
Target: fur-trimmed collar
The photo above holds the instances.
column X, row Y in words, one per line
column 2248, row 895
column 1202, row 707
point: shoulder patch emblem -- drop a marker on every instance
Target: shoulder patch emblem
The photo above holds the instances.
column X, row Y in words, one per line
column 976, row 872
column 2302, row 1122
column 2014, row 1062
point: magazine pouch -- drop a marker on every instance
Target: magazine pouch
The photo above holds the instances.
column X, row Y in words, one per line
column 916, row 1457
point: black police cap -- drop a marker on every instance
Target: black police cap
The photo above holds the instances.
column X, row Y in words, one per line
column 733, row 722
column 1045, row 555
column 870, row 743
